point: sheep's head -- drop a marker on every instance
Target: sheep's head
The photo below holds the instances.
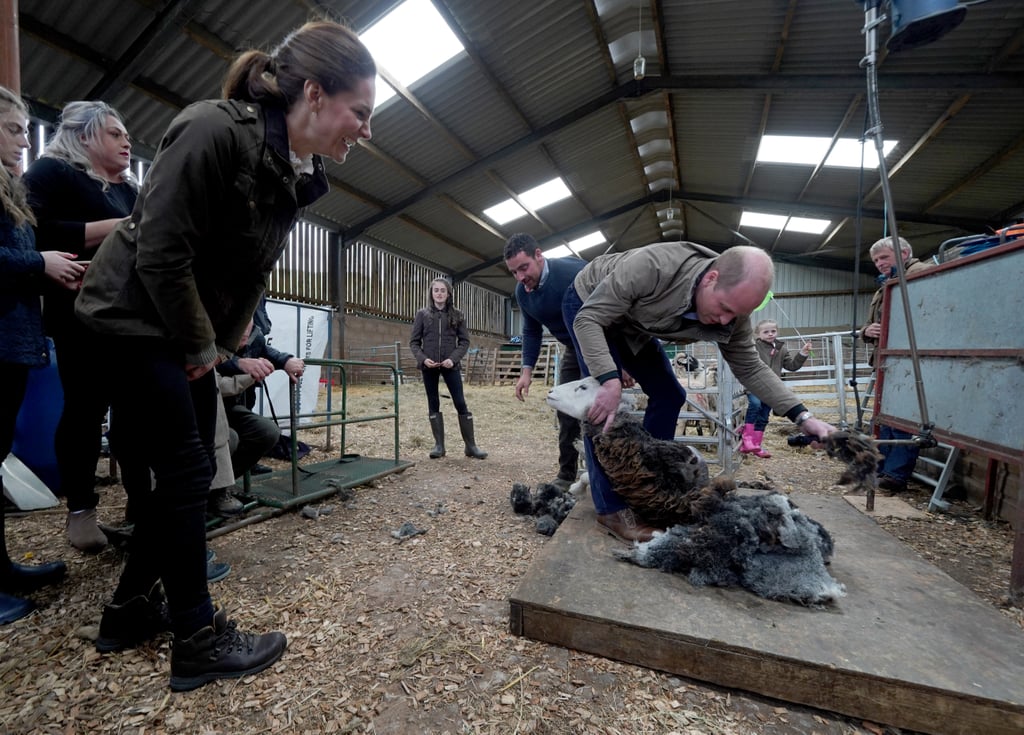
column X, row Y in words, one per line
column 687, row 363
column 577, row 396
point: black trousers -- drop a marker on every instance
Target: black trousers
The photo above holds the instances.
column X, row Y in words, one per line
column 568, row 427
column 452, row 379
column 86, row 400
column 163, row 421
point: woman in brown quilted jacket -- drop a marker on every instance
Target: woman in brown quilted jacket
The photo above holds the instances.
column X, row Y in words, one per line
column 439, row 342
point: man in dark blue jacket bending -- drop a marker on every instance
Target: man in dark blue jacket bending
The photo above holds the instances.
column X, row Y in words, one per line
column 542, row 283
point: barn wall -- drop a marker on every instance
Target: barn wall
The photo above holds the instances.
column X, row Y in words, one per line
column 369, row 338
column 971, row 472
column 812, row 300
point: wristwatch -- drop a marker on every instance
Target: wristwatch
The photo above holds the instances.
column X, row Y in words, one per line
column 803, row 416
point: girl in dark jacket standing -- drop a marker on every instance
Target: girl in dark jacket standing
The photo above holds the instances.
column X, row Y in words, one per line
column 439, row 342
column 170, row 292
column 22, row 343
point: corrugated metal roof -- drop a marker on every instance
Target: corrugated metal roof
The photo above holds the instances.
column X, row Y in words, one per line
column 537, row 94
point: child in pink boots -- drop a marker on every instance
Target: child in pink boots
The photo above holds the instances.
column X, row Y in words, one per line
column 776, row 356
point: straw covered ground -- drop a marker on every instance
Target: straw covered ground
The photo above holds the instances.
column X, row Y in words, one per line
column 410, row 635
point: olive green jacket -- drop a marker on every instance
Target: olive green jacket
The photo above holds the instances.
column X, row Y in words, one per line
column 212, row 218
column 913, row 265
column 643, row 293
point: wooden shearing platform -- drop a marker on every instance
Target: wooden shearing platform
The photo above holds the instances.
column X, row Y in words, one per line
column 908, row 646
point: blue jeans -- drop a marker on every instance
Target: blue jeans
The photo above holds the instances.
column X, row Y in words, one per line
column 653, row 372
column 14, row 378
column 898, row 460
column 758, row 412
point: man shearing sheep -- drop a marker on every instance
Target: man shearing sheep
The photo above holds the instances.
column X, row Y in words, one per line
column 622, row 305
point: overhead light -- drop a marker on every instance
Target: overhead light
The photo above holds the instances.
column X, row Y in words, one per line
column 639, row 63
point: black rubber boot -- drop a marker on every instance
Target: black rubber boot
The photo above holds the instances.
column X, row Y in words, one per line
column 437, row 427
column 24, row 577
column 31, row 577
column 14, row 608
column 11, row 608
column 466, row 427
column 133, row 622
column 219, row 651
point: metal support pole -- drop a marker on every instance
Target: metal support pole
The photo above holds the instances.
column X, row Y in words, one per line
column 872, row 19
column 10, row 61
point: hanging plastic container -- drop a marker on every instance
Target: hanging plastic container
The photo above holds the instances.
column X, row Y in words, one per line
column 37, row 422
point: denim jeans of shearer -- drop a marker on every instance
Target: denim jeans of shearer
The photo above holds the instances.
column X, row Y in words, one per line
column 652, row 370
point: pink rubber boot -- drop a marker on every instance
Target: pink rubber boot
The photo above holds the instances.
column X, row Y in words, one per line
column 756, row 438
column 747, row 445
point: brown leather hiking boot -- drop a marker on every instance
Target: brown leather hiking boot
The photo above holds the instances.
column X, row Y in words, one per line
column 625, row 526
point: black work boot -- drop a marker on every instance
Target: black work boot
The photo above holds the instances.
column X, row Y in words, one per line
column 133, row 622
column 466, row 427
column 437, row 427
column 219, row 651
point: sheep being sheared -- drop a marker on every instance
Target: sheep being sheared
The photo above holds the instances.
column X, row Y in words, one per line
column 658, row 478
column 696, row 378
column 763, row 543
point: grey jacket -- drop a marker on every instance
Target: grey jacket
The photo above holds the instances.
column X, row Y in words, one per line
column 643, row 293
column 211, row 220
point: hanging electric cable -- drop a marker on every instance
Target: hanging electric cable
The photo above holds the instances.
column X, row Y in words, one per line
column 854, row 322
column 872, row 20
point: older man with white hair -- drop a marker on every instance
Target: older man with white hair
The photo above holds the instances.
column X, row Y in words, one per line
column 898, row 460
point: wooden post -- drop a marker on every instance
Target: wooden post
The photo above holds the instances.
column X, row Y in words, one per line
column 10, row 61
column 1017, row 562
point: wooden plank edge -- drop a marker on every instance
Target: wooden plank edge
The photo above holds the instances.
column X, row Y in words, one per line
column 852, row 693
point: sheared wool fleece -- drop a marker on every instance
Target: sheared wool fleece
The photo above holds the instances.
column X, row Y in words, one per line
column 763, row 543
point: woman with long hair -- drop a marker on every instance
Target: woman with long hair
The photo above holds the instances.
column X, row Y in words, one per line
column 169, row 294
column 80, row 189
column 22, row 343
column 439, row 341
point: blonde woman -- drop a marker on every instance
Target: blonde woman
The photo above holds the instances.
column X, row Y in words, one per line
column 80, row 189
column 23, row 271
